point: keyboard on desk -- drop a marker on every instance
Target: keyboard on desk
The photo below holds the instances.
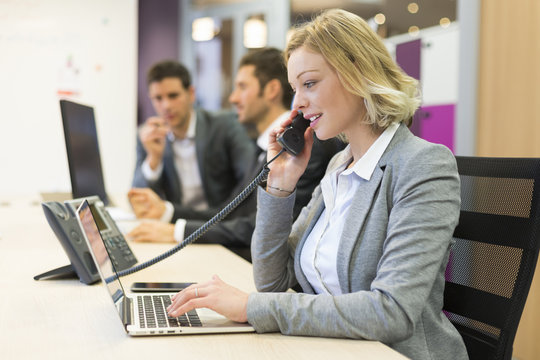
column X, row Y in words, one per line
column 153, row 313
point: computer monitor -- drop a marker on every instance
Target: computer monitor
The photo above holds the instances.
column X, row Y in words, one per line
column 82, row 151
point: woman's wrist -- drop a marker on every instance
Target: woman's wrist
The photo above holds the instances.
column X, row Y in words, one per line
column 278, row 191
column 281, row 186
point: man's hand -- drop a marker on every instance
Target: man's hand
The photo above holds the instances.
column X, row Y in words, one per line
column 153, row 138
column 152, row 231
column 146, row 203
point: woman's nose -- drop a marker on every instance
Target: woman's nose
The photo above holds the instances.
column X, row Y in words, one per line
column 298, row 102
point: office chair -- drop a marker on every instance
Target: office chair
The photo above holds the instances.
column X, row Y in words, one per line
column 492, row 261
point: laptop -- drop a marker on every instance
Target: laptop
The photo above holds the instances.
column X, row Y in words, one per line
column 146, row 314
column 82, row 148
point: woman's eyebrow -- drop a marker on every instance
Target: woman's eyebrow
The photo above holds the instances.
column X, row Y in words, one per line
column 305, row 71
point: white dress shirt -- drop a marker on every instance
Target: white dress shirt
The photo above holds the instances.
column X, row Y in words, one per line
column 318, row 259
column 187, row 167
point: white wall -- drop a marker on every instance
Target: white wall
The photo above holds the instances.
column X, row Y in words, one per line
column 439, row 63
column 51, row 47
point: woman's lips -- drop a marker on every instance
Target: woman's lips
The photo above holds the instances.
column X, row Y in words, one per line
column 314, row 120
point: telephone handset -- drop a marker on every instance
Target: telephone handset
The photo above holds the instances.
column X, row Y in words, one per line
column 64, row 222
column 292, row 139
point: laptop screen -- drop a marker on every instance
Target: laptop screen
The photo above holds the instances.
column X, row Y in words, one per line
column 99, row 251
column 82, row 150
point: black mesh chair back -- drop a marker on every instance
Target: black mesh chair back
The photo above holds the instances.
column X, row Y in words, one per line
column 492, row 261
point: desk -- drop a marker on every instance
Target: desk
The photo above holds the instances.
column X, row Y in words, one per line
column 65, row 319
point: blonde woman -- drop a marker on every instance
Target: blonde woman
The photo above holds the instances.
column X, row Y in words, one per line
column 371, row 247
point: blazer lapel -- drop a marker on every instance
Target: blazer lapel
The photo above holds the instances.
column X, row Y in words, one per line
column 169, row 169
column 318, row 208
column 361, row 204
column 201, row 140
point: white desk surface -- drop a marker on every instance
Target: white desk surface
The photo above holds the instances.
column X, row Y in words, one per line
column 66, row 319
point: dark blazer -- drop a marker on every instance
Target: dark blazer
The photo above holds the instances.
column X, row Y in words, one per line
column 236, row 230
column 224, row 152
column 391, row 257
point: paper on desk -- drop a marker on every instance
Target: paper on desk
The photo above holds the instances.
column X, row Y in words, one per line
column 119, row 214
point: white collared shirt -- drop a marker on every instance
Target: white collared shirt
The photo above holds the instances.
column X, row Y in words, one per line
column 187, row 167
column 318, row 259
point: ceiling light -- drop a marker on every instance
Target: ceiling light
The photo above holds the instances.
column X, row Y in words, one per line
column 413, row 8
column 380, row 18
column 414, row 30
column 203, row 29
column 255, row 33
column 444, row 22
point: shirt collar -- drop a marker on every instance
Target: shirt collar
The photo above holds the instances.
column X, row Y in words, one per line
column 262, row 140
column 190, row 134
column 365, row 166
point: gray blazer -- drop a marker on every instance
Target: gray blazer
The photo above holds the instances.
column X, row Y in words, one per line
column 224, row 154
column 391, row 257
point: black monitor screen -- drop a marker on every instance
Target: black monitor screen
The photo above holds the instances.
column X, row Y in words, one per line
column 82, row 150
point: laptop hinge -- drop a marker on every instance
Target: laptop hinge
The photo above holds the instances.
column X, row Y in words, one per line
column 126, row 306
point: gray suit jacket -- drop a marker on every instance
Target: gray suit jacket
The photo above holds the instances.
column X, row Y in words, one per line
column 391, row 257
column 224, row 153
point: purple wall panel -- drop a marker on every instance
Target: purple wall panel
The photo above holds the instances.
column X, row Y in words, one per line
column 437, row 124
column 158, row 40
column 432, row 123
column 408, row 57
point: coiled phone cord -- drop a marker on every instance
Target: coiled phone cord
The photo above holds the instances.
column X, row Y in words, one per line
column 205, row 227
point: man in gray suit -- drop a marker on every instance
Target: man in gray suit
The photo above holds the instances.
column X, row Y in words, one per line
column 262, row 97
column 189, row 157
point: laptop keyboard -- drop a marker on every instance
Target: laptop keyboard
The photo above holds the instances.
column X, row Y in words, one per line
column 153, row 313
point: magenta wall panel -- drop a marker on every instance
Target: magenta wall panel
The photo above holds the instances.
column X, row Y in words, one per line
column 437, row 124
column 408, row 57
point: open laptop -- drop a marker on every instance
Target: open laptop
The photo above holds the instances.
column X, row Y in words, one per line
column 146, row 314
column 82, row 148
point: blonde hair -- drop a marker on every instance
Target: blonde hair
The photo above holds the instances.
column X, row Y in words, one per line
column 363, row 64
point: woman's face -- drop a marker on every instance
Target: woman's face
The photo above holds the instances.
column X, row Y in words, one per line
column 321, row 97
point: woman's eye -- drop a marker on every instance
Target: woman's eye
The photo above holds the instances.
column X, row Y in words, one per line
column 309, row 84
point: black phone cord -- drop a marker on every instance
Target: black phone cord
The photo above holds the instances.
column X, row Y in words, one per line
column 205, row 227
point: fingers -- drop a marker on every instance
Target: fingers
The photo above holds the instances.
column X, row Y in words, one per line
column 289, row 120
column 143, row 233
column 186, row 300
column 194, row 296
column 155, row 125
column 153, row 136
column 215, row 295
column 139, row 204
column 152, row 231
column 138, row 234
column 139, row 192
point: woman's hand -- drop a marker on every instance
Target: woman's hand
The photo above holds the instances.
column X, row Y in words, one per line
column 287, row 169
column 215, row 295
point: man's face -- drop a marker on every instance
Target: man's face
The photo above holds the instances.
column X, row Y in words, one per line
column 248, row 97
column 171, row 101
